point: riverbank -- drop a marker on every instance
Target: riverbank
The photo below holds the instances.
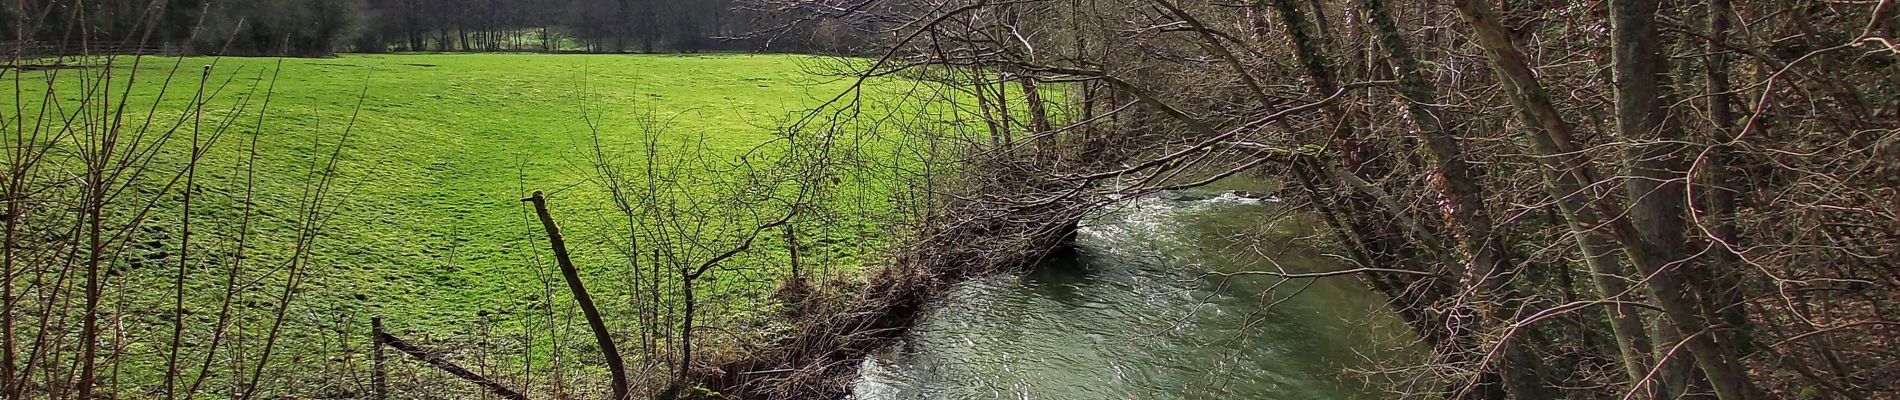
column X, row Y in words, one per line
column 1059, row 313
column 962, row 240
column 1142, row 312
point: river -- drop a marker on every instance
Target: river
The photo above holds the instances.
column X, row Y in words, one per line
column 1135, row 315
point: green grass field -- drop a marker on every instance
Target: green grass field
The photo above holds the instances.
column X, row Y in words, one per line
column 445, row 145
column 427, row 227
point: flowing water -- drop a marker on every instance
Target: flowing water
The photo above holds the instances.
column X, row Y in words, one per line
column 1135, row 315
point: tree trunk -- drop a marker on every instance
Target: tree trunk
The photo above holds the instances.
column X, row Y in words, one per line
column 1658, row 205
column 791, row 247
column 1038, row 116
column 686, row 325
column 1485, row 268
column 1371, row 231
column 990, row 120
column 1568, row 179
column 605, row 340
column 95, row 257
column 1570, row 176
column 1716, row 189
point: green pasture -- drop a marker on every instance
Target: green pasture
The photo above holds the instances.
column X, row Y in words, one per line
column 425, row 225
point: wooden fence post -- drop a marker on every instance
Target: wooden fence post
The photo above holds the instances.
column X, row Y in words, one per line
column 379, row 377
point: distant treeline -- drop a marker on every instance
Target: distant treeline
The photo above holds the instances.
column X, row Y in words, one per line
column 646, row 26
column 322, row 27
column 256, row 27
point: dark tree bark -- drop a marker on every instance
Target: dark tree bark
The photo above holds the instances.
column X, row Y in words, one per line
column 1656, row 190
column 1720, row 184
column 1486, row 265
column 1639, row 102
column 1568, row 177
column 378, row 375
column 602, row 337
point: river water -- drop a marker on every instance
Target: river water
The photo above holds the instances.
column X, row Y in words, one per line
column 1136, row 316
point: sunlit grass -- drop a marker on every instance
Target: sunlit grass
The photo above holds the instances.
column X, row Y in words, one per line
column 427, row 227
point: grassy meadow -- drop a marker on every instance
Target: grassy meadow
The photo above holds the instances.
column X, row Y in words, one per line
column 426, row 225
